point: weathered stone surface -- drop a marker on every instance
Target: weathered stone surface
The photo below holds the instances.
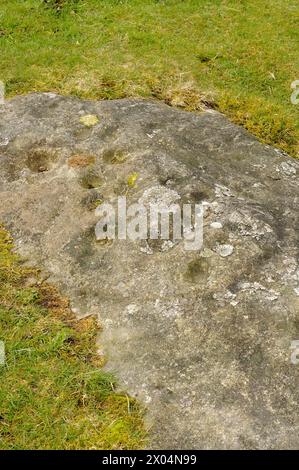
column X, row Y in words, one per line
column 203, row 338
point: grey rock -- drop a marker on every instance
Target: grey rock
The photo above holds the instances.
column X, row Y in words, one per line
column 203, row 340
column 224, row 250
column 216, row 225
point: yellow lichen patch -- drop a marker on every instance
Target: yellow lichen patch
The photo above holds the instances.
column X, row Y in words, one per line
column 89, row 120
column 132, row 180
column 81, row 160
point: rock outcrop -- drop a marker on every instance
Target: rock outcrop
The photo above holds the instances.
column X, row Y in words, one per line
column 203, row 338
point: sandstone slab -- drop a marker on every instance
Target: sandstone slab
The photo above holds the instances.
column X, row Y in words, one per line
column 201, row 337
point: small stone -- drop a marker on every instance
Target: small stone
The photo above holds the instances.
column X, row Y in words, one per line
column 89, row 120
column 216, row 225
column 224, row 250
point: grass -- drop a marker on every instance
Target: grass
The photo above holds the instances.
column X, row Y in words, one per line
column 53, row 393
column 239, row 56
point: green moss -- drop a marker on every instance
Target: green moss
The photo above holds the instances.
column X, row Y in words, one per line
column 54, row 394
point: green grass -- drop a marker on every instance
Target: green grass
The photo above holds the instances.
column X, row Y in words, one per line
column 53, row 393
column 240, row 56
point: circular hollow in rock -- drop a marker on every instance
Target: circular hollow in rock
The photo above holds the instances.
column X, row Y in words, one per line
column 115, row 156
column 41, row 159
